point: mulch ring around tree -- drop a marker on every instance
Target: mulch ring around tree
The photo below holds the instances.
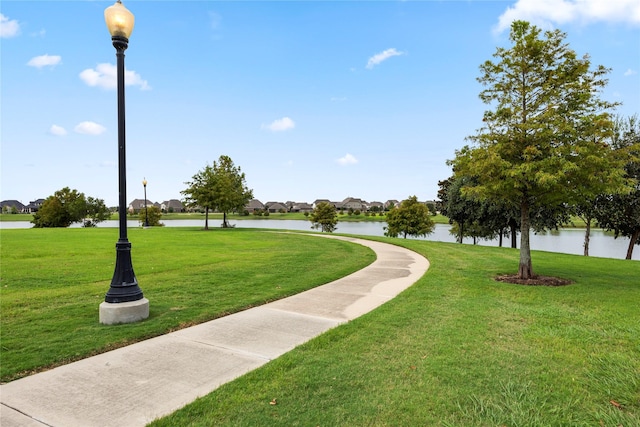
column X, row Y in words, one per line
column 534, row 281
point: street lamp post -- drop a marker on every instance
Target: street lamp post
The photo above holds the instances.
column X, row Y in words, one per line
column 146, row 212
column 124, row 302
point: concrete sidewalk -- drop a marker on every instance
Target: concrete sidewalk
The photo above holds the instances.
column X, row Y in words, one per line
column 134, row 385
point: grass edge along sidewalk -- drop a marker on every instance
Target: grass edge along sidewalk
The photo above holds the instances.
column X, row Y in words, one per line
column 53, row 280
column 460, row 349
column 167, row 372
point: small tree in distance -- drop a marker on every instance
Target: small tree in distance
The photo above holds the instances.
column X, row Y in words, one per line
column 411, row 218
column 67, row 206
column 154, row 215
column 324, row 217
column 218, row 187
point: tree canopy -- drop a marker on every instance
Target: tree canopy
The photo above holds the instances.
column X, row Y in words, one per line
column 219, row 187
column 410, row 218
column 542, row 143
column 621, row 212
column 67, row 206
column 464, row 211
column 324, row 217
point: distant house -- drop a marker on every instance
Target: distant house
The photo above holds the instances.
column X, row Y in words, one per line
column 318, row 201
column 138, row 204
column 337, row 205
column 12, row 206
column 254, row 205
column 375, row 206
column 33, row 206
column 299, row 207
column 274, row 207
column 172, row 205
column 353, row 203
column 391, row 203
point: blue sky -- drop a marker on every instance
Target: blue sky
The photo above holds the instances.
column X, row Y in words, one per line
column 312, row 99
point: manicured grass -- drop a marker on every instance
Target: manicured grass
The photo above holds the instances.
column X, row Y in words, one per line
column 16, row 217
column 53, row 281
column 460, row 349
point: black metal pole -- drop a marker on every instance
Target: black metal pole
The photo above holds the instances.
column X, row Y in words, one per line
column 146, row 212
column 124, row 285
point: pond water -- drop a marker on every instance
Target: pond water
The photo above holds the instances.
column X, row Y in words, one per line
column 568, row 240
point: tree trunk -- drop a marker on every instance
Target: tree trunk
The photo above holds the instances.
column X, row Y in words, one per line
column 224, row 220
column 500, row 237
column 514, row 234
column 460, row 231
column 206, row 218
column 587, row 236
column 525, row 269
column 632, row 242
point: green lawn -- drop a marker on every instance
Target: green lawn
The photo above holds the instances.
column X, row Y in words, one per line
column 52, row 282
column 460, row 349
column 455, row 349
column 16, row 217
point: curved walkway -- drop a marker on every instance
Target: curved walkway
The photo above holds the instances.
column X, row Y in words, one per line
column 134, row 385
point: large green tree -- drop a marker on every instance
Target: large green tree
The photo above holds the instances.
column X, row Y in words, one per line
column 219, row 187
column 67, row 206
column 543, row 135
column 410, row 218
column 324, row 217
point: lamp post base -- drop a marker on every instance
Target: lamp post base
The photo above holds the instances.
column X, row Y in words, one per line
column 124, row 312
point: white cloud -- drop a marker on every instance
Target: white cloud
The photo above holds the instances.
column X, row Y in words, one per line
column 57, row 130
column 630, row 72
column 545, row 13
column 8, row 27
column 348, row 159
column 382, row 56
column 89, row 128
column 338, row 98
column 280, row 125
column 105, row 76
column 44, row 61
